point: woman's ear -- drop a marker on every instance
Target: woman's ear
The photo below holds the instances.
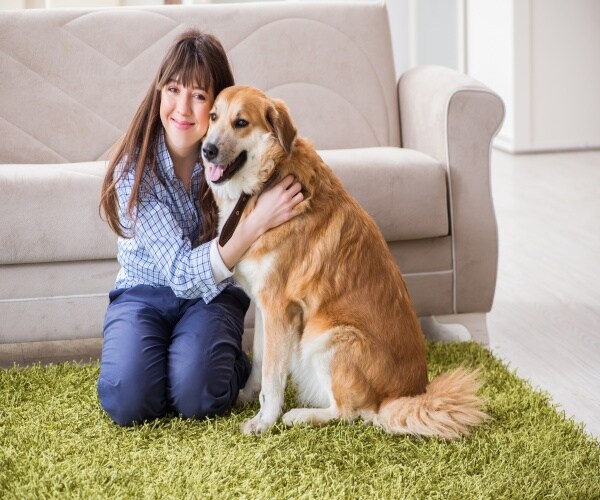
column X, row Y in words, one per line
column 280, row 122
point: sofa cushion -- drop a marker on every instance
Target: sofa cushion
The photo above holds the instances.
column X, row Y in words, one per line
column 50, row 213
column 402, row 189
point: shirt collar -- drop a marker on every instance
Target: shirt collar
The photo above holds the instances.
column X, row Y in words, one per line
column 165, row 162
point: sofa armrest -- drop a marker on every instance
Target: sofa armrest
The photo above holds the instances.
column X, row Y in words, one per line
column 453, row 118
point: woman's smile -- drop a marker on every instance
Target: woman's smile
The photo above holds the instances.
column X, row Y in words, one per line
column 182, row 124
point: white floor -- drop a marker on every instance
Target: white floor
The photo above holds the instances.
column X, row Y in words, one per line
column 545, row 321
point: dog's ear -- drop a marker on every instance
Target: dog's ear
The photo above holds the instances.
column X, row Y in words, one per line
column 280, row 122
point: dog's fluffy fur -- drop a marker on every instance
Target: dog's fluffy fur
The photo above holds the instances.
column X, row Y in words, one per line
column 336, row 312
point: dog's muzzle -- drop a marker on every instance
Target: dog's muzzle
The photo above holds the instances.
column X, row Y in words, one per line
column 220, row 172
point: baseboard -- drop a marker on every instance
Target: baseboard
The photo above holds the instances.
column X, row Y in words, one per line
column 52, row 351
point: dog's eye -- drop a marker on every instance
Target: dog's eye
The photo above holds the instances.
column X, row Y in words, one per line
column 212, row 116
column 240, row 123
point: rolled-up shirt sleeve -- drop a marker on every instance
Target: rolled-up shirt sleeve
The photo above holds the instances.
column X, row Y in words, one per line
column 220, row 271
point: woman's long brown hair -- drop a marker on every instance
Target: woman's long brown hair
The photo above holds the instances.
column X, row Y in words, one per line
column 195, row 58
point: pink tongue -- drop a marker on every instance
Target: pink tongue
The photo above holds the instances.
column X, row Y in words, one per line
column 215, row 172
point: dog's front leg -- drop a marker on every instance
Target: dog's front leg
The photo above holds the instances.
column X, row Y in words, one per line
column 252, row 387
column 277, row 347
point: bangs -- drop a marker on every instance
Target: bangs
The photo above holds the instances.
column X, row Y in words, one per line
column 186, row 67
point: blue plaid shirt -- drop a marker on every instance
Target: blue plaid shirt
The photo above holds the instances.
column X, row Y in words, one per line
column 159, row 251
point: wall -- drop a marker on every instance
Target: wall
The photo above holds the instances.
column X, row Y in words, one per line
column 543, row 58
column 436, row 32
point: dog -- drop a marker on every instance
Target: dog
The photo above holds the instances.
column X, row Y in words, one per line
column 335, row 309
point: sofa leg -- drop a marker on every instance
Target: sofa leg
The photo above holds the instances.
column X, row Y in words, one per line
column 456, row 327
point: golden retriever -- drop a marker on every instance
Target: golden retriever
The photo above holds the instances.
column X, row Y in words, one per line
column 336, row 311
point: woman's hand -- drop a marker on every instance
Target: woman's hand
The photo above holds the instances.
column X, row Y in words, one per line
column 276, row 205
column 273, row 207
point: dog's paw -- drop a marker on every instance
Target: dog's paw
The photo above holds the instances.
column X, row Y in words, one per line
column 257, row 425
column 295, row 416
column 309, row 416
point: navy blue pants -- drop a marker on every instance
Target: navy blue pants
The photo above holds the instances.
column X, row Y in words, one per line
column 161, row 353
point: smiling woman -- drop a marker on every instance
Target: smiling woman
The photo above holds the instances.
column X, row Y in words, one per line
column 174, row 324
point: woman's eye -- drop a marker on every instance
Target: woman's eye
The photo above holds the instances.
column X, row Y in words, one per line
column 172, row 89
column 240, row 123
column 200, row 97
column 212, row 116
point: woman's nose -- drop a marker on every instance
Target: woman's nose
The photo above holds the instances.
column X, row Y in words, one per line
column 183, row 105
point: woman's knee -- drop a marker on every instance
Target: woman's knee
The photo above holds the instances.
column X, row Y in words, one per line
column 206, row 390
column 202, row 407
column 128, row 401
column 199, row 394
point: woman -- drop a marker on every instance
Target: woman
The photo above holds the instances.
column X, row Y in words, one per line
column 174, row 324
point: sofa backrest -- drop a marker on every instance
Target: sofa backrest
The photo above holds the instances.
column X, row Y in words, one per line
column 71, row 79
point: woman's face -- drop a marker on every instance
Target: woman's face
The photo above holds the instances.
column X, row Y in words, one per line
column 184, row 116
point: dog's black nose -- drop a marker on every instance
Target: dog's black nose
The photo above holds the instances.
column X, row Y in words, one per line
column 210, row 151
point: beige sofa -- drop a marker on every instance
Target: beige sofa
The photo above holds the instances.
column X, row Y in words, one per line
column 416, row 153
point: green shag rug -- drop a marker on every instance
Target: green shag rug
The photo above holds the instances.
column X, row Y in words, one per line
column 56, row 442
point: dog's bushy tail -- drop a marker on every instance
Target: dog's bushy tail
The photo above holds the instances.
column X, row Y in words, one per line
column 449, row 408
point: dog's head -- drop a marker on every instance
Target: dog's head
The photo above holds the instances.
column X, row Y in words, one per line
column 248, row 132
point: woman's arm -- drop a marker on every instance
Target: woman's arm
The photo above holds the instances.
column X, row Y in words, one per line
column 273, row 207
